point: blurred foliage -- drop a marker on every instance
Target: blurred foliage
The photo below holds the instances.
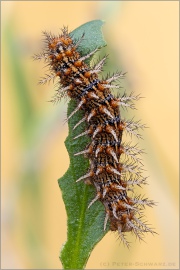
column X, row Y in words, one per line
column 33, row 128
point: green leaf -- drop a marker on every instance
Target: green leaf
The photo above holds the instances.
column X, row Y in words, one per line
column 93, row 37
column 85, row 226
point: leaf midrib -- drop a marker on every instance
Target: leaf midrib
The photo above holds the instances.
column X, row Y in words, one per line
column 79, row 236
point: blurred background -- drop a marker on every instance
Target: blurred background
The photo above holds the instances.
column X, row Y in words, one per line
column 143, row 39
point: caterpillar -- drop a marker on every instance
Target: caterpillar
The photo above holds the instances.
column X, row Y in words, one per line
column 112, row 176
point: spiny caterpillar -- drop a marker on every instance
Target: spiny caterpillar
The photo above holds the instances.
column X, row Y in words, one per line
column 113, row 176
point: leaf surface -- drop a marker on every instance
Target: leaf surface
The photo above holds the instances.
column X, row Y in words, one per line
column 84, row 226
